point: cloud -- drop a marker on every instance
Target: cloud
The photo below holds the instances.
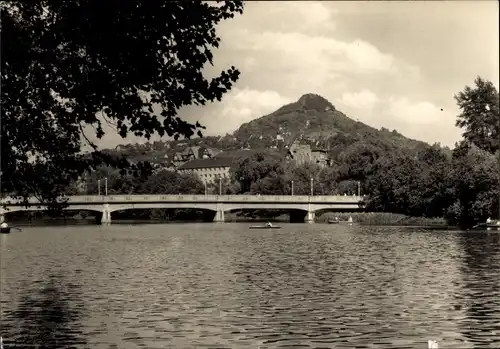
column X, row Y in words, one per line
column 296, row 16
column 364, row 99
column 293, row 59
column 240, row 106
column 291, row 51
column 416, row 119
column 422, row 112
column 421, row 120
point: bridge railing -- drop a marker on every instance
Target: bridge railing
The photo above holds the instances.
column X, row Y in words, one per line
column 200, row 198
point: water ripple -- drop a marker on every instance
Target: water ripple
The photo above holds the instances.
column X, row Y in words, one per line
column 223, row 286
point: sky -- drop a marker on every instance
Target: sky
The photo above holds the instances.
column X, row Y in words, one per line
column 388, row 64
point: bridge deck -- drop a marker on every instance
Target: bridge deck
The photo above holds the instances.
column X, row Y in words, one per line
column 89, row 199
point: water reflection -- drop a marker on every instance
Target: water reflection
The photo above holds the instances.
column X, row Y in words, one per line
column 44, row 317
column 342, row 289
column 480, row 296
column 225, row 286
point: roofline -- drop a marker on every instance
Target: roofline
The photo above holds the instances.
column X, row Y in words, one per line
column 200, row 167
column 207, row 163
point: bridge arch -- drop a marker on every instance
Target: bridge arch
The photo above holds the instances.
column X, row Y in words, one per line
column 164, row 211
column 295, row 215
column 335, row 208
column 30, row 213
column 152, row 205
column 265, row 206
column 14, row 209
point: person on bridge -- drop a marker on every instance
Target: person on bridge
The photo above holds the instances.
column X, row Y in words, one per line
column 4, row 225
column 269, row 224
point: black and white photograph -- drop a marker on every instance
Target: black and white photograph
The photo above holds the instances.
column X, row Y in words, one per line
column 249, row 174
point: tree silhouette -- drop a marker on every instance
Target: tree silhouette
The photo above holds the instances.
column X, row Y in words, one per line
column 480, row 116
column 69, row 66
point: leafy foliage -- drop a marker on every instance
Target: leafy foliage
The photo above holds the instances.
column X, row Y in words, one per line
column 475, row 187
column 64, row 63
column 480, row 117
column 164, row 182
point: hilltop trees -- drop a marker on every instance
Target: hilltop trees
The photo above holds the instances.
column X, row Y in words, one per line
column 480, row 116
column 263, row 174
column 477, row 169
column 473, row 186
column 69, row 66
column 464, row 187
column 254, row 173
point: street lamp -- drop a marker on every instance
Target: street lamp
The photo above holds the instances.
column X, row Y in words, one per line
column 359, row 188
column 105, row 187
column 220, row 185
column 292, row 188
column 312, row 186
column 205, row 182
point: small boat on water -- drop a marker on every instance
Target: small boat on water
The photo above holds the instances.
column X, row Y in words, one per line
column 266, row 226
column 350, row 221
column 338, row 221
column 490, row 224
column 431, row 344
column 4, row 228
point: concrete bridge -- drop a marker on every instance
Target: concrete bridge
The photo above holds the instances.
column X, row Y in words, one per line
column 305, row 206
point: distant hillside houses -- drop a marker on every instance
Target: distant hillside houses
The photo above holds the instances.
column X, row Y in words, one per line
column 210, row 164
column 208, row 169
column 176, row 160
column 303, row 153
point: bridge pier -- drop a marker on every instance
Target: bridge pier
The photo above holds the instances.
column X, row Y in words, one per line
column 310, row 217
column 106, row 214
column 219, row 216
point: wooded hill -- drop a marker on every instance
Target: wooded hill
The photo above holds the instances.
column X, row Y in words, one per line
column 311, row 119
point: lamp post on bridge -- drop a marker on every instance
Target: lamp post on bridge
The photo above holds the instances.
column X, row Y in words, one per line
column 312, row 186
column 292, row 188
column 220, row 186
column 105, row 187
column 205, row 182
column 359, row 188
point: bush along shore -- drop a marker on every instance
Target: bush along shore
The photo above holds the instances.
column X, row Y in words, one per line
column 382, row 218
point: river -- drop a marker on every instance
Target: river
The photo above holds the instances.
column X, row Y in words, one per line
column 225, row 286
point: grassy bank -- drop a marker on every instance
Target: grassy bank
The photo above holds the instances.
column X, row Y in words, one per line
column 382, row 218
